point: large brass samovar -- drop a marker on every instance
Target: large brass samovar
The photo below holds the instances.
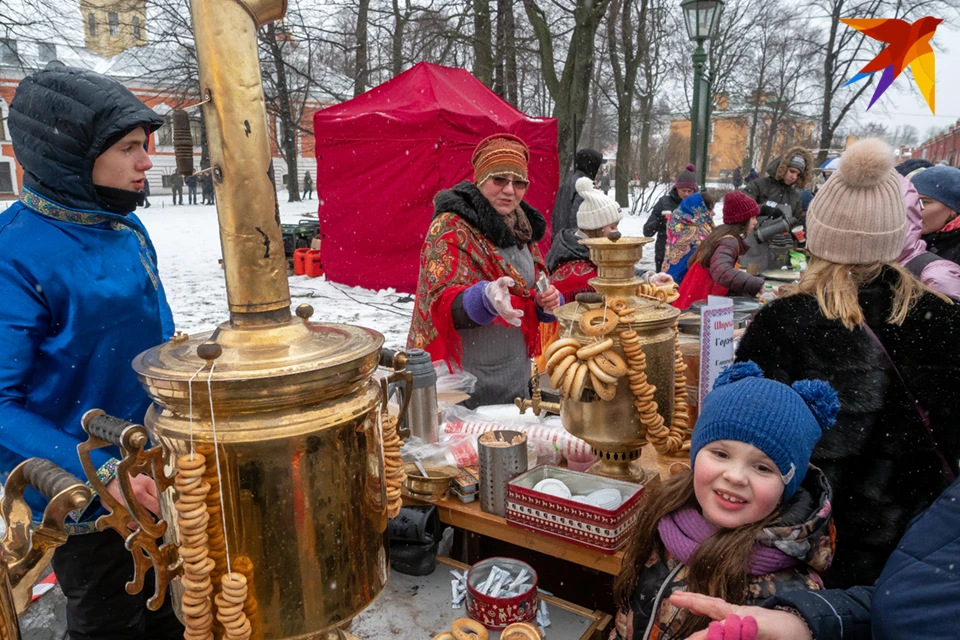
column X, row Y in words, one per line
column 291, row 406
column 613, row 427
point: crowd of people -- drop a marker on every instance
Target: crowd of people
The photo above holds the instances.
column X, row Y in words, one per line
column 821, row 500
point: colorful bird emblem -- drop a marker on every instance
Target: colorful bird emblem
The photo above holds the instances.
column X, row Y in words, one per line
column 907, row 44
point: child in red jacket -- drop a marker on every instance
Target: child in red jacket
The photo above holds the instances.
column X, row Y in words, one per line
column 714, row 268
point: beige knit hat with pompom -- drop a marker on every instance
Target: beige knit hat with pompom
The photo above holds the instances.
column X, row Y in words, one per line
column 597, row 209
column 859, row 215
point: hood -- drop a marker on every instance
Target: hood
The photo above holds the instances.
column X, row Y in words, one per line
column 779, row 165
column 566, row 247
column 805, row 530
column 60, row 120
column 913, row 246
column 466, row 201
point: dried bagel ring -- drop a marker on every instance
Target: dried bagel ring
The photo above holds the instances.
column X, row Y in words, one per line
column 560, row 344
column 191, row 462
column 467, row 629
column 556, row 379
column 606, row 325
column 580, row 383
column 611, row 362
column 618, row 305
column 568, row 379
column 605, row 391
column 599, row 373
column 559, row 356
column 585, row 353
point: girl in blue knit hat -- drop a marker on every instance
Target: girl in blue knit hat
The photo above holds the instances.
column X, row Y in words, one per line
column 750, row 519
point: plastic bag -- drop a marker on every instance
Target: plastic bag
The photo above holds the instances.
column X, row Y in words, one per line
column 551, row 439
column 458, row 381
column 454, row 450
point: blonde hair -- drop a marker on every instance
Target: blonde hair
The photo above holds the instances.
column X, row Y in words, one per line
column 836, row 288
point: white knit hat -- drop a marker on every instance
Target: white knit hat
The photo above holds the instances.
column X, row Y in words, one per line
column 597, row 210
column 859, row 216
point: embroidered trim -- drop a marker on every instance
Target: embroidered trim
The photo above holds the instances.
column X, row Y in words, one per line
column 50, row 209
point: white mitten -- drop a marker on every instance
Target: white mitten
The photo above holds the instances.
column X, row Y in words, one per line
column 498, row 293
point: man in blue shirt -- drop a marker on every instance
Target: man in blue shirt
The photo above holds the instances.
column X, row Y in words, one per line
column 81, row 297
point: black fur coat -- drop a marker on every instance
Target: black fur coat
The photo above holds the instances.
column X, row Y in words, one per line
column 878, row 457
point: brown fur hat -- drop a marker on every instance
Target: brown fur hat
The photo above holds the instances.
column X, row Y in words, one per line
column 806, row 177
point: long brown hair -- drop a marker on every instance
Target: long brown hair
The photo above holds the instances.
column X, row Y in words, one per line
column 719, row 566
column 704, row 252
column 836, row 288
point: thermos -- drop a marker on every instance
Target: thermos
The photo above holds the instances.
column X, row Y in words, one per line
column 422, row 419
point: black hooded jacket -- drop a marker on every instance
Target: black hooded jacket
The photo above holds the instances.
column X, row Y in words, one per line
column 60, row 121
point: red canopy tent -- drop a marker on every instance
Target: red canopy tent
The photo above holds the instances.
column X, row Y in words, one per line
column 382, row 156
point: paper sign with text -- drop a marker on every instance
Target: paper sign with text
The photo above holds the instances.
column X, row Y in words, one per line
column 716, row 341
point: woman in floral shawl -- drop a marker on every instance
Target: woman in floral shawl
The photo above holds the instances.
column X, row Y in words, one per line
column 477, row 305
column 687, row 227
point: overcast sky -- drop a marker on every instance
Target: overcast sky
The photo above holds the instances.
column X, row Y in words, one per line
column 903, row 104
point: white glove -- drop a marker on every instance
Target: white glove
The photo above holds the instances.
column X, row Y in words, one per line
column 498, row 293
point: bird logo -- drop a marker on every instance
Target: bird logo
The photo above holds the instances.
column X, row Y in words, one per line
column 907, row 44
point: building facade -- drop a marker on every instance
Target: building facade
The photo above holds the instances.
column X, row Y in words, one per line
column 729, row 136
column 945, row 146
column 115, row 43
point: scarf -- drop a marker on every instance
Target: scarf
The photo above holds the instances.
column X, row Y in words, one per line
column 683, row 530
column 518, row 222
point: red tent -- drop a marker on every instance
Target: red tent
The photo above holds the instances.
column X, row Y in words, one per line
column 382, row 156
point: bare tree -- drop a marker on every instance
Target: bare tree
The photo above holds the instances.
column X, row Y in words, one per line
column 482, row 43
column 505, row 79
column 570, row 90
column 361, row 69
column 625, row 59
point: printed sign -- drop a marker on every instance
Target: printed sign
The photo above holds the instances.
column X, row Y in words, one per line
column 716, row 341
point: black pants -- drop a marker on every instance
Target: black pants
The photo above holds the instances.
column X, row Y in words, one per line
column 92, row 570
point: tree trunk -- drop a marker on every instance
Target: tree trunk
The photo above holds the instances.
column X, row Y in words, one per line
column 399, row 23
column 571, row 91
column 510, row 52
column 829, row 68
column 482, row 45
column 290, row 127
column 360, row 69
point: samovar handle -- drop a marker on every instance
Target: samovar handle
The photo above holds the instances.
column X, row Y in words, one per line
column 141, row 542
column 397, row 360
column 28, row 555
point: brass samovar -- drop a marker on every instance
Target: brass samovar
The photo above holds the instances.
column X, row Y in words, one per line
column 613, row 427
column 291, row 406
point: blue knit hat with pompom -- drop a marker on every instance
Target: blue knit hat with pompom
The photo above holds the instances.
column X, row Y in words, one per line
column 785, row 422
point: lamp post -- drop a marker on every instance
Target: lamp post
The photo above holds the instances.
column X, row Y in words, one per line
column 701, row 18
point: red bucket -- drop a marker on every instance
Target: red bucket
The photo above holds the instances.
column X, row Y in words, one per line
column 496, row 612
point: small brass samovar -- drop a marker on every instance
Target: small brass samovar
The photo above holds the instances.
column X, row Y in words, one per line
column 612, row 427
column 291, row 406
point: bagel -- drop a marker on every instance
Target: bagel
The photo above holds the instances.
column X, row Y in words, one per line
column 606, row 391
column 556, row 379
column 569, row 378
column 606, row 326
column 585, row 353
column 611, row 362
column 559, row 355
column 618, row 305
column 599, row 373
column 560, row 344
column 468, row 629
column 579, row 383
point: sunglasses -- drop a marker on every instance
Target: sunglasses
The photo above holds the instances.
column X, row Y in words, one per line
column 501, row 182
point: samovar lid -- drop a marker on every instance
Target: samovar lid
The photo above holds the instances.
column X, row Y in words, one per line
column 284, row 362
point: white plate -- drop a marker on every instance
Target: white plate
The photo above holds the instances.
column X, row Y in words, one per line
column 605, row 499
column 553, row 487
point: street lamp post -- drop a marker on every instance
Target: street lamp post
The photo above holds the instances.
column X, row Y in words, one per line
column 701, row 18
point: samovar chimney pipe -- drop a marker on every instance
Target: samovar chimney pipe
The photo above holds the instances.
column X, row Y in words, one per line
column 225, row 33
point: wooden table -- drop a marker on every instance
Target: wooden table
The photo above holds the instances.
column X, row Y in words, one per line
column 470, row 517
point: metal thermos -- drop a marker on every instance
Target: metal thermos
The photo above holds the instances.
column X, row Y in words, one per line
column 422, row 419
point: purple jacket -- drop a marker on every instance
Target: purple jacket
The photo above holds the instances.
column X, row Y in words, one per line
column 939, row 275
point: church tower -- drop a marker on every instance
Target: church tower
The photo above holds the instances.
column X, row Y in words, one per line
column 112, row 26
